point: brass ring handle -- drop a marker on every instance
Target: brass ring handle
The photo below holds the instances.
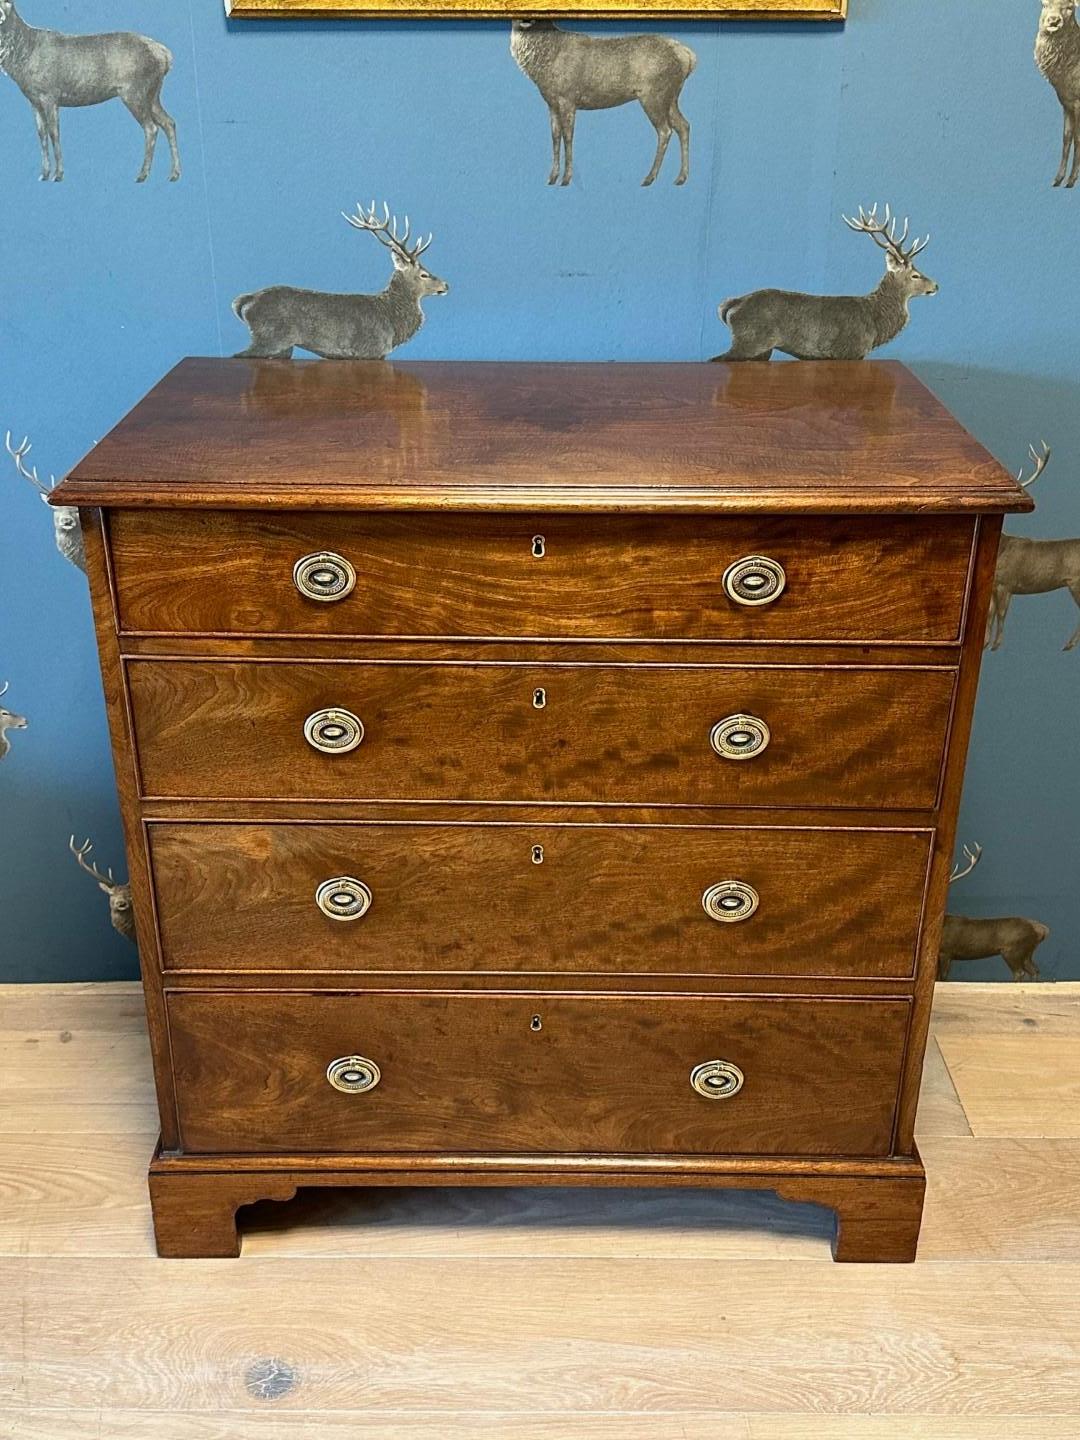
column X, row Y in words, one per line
column 333, row 731
column 754, row 580
column 343, row 898
column 716, row 1079
column 729, row 901
column 323, row 575
column 740, row 737
column 353, row 1074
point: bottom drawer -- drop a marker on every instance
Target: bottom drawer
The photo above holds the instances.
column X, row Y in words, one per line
column 535, row 1073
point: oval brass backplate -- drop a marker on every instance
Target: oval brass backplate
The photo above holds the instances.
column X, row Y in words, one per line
column 716, row 1079
column 333, row 731
column 343, row 898
column 754, row 580
column 729, row 901
column 353, row 1074
column 324, row 576
column 740, row 737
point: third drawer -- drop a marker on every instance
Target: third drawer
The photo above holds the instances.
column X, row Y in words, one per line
column 708, row 900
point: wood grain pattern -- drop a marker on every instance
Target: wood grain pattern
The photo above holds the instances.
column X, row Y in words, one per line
column 1017, row 1085
column 514, row 693
column 604, row 1075
column 989, row 529
column 118, row 711
column 483, row 1294
column 604, row 899
column 641, row 1336
column 835, row 438
column 637, row 735
column 612, row 576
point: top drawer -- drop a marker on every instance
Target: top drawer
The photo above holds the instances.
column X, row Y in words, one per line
column 567, row 577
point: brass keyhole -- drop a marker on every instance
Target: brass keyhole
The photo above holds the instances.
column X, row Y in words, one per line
column 538, row 854
column 539, row 547
column 539, row 699
column 536, row 1023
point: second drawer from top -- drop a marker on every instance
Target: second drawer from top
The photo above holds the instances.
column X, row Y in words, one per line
column 767, row 735
column 622, row 578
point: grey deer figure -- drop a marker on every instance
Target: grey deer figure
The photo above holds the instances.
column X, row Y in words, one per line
column 8, row 721
column 832, row 327
column 345, row 327
column 66, row 527
column 1012, row 937
column 1057, row 54
column 121, row 912
column 1032, row 567
column 54, row 70
column 577, row 72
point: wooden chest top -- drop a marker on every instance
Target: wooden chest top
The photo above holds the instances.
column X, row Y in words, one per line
column 823, row 437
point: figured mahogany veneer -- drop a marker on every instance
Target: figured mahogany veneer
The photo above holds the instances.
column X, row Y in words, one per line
column 624, row 734
column 536, row 1074
column 538, row 645
column 623, row 577
column 605, row 899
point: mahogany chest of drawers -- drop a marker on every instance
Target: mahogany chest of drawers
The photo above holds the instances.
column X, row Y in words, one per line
column 539, row 774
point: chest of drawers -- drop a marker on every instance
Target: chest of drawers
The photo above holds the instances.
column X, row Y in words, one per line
column 539, row 774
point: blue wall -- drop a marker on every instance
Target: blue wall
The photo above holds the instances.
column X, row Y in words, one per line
column 933, row 105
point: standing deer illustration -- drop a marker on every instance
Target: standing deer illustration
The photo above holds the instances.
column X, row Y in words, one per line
column 345, row 327
column 1057, row 54
column 576, row 72
column 65, row 518
column 832, row 327
column 1011, row 937
column 8, row 721
column 54, row 70
column 120, row 910
column 1032, row 567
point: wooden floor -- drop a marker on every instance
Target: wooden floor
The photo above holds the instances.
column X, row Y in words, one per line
column 545, row 1314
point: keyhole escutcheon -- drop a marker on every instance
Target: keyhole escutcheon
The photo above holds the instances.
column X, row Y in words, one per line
column 539, row 547
column 538, row 854
column 539, row 699
column 536, row 1023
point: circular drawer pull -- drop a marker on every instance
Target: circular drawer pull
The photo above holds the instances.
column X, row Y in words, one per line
column 716, row 1079
column 343, row 898
column 333, row 731
column 740, row 737
column 324, row 576
column 729, row 901
column 352, row 1074
column 754, row 580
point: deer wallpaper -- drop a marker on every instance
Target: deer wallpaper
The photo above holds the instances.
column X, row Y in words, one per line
column 750, row 190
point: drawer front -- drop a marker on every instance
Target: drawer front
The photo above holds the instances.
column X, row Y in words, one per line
column 536, row 898
column 887, row 579
column 535, row 1073
column 575, row 733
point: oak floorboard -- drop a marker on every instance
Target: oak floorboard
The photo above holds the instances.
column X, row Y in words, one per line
column 541, row 1314
column 995, row 1008
column 1023, row 1085
column 513, row 1425
column 636, row 1335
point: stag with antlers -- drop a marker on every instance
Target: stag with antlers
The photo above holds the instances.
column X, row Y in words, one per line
column 1012, row 937
column 345, row 327
column 120, row 909
column 8, row 721
column 1032, row 567
column 66, row 526
column 832, row 327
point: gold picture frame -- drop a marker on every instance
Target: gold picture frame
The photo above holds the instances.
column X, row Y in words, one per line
column 561, row 9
